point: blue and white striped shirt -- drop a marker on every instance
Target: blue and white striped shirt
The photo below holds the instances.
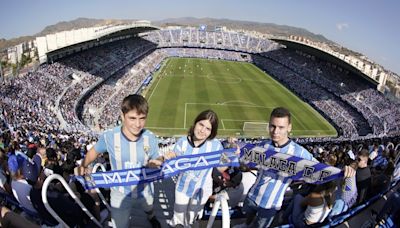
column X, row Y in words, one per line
column 126, row 154
column 190, row 182
column 269, row 189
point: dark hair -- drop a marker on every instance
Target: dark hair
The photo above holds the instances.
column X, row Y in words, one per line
column 332, row 159
column 206, row 115
column 281, row 112
column 51, row 154
column 135, row 102
column 327, row 189
column 30, row 152
column 75, row 155
column 68, row 168
column 14, row 147
column 3, row 155
column 364, row 153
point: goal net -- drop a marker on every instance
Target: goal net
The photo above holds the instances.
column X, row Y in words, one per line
column 255, row 126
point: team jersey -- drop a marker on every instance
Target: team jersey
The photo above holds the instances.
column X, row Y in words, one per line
column 269, row 189
column 190, row 182
column 126, row 154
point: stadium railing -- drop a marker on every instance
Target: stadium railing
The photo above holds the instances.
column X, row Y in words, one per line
column 46, row 183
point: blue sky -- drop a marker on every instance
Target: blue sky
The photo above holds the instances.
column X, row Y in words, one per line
column 368, row 26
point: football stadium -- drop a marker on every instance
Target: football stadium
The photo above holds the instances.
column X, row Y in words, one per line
column 231, row 89
column 53, row 116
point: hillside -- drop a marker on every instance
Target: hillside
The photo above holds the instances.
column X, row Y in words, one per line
column 62, row 26
column 79, row 23
column 233, row 24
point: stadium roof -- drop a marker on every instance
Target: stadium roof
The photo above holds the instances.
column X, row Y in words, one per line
column 55, row 46
column 325, row 56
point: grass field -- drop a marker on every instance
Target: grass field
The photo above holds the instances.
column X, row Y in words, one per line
column 237, row 92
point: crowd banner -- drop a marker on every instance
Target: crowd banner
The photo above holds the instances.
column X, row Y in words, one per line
column 169, row 168
column 288, row 166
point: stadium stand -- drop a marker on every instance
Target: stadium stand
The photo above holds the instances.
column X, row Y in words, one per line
column 61, row 105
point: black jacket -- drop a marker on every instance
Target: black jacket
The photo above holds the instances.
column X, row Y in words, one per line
column 231, row 179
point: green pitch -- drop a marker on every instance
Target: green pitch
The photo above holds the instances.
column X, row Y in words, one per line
column 238, row 92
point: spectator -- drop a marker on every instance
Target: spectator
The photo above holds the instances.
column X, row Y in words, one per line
column 262, row 200
column 10, row 219
column 52, row 162
column 315, row 207
column 64, row 206
column 193, row 188
column 144, row 153
column 4, row 183
column 21, row 188
column 228, row 181
column 363, row 176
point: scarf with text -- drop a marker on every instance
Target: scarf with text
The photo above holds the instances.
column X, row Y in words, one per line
column 285, row 165
column 169, row 168
column 288, row 166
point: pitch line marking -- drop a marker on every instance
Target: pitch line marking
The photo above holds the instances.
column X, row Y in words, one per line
column 238, row 101
column 233, row 120
column 167, row 128
column 223, row 125
column 307, row 130
column 238, row 105
column 216, row 79
column 184, row 117
column 159, row 79
column 213, row 77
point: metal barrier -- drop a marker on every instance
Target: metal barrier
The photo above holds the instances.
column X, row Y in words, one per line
column 51, row 211
column 95, row 167
column 222, row 201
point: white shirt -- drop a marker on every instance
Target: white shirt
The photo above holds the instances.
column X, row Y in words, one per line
column 21, row 191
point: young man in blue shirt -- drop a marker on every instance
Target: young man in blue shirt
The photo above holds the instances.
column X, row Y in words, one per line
column 266, row 195
column 129, row 146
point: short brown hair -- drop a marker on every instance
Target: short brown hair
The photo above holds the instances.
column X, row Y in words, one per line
column 331, row 159
column 363, row 153
column 281, row 112
column 206, row 115
column 135, row 102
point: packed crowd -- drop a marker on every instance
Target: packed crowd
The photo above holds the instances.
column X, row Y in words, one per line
column 135, row 75
column 350, row 91
column 344, row 92
column 23, row 150
column 30, row 101
column 208, row 53
column 95, row 66
column 343, row 117
column 192, row 37
column 352, row 105
column 129, row 80
column 41, row 114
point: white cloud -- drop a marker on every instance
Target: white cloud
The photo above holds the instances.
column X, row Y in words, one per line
column 342, row 26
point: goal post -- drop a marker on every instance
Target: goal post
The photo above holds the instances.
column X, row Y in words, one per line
column 255, row 126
